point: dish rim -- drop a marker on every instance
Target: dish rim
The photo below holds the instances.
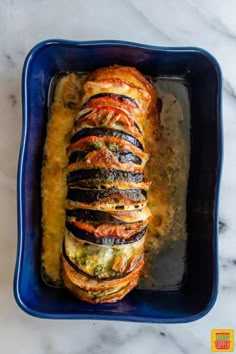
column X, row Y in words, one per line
column 22, row 151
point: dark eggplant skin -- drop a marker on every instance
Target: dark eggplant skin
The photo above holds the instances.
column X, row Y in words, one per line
column 77, row 269
column 122, row 156
column 107, row 240
column 122, row 98
column 83, row 133
column 92, row 195
column 92, row 215
column 103, row 174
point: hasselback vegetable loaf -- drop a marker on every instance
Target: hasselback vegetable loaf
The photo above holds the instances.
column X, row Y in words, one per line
column 94, row 195
column 106, row 205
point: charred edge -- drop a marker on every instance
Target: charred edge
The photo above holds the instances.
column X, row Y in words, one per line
column 106, row 132
column 122, row 156
column 122, row 98
column 91, row 195
column 103, row 174
column 107, row 240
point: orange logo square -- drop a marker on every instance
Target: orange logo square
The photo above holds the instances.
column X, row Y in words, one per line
column 222, row 340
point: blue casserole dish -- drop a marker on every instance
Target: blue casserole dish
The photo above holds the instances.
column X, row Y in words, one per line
column 198, row 292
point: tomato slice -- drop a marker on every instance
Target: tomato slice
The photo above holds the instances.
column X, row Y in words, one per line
column 124, row 231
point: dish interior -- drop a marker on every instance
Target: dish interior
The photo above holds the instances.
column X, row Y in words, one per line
column 197, row 290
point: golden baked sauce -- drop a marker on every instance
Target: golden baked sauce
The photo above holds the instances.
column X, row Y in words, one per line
column 63, row 111
column 167, row 168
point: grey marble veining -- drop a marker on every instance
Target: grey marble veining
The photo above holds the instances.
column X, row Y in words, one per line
column 206, row 23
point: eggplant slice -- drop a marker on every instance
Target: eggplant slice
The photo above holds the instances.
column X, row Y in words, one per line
column 103, row 174
column 108, row 116
column 103, row 261
column 104, row 298
column 92, row 195
column 130, row 216
column 103, row 158
column 107, row 199
column 120, row 231
column 121, row 184
column 122, row 156
column 111, row 143
column 106, row 132
column 92, row 284
column 106, row 240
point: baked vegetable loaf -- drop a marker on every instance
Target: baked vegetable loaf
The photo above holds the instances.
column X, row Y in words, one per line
column 106, row 205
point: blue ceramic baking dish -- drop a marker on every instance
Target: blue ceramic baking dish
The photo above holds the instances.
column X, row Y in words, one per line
column 202, row 73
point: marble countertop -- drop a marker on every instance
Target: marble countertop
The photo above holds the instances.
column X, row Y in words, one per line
column 206, row 23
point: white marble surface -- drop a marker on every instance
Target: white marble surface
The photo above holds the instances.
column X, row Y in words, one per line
column 206, row 23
